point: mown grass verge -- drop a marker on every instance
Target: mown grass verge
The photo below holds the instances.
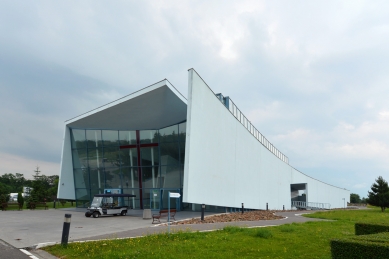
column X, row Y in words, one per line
column 309, row 240
column 306, row 240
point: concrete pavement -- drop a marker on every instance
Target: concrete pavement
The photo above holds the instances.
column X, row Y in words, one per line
column 30, row 227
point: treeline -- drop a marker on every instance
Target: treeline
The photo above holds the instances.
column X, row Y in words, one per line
column 43, row 187
column 355, row 198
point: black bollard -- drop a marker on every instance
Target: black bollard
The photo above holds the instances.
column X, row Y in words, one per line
column 267, row 206
column 242, row 207
column 65, row 230
column 202, row 211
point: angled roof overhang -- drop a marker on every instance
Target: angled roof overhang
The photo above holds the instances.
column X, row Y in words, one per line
column 153, row 107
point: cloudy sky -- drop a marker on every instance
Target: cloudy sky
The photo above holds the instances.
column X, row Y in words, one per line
column 312, row 76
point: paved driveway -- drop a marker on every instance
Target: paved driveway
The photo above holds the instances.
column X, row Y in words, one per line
column 28, row 228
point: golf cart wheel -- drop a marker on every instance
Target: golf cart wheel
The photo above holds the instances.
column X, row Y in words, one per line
column 115, row 214
column 96, row 214
column 88, row 214
column 123, row 213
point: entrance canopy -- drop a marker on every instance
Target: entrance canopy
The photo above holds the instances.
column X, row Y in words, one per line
column 153, row 107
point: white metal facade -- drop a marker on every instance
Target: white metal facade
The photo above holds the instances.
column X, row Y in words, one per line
column 226, row 165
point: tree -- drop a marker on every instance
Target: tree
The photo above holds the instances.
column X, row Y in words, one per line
column 354, row 198
column 20, row 199
column 4, row 189
column 379, row 194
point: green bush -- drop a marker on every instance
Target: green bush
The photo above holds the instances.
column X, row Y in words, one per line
column 20, row 199
column 364, row 246
column 367, row 229
column 3, row 198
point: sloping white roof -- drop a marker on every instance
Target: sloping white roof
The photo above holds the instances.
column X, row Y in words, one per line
column 153, row 107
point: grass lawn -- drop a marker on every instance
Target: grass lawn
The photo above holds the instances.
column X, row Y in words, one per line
column 306, row 240
column 371, row 215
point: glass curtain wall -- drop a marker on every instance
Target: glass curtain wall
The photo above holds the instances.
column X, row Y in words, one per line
column 147, row 163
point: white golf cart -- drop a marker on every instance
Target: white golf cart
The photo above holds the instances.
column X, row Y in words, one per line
column 108, row 204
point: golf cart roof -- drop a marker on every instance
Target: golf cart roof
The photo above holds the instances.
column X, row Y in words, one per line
column 114, row 195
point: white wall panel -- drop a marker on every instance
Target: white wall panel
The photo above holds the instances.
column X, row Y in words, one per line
column 226, row 165
column 66, row 180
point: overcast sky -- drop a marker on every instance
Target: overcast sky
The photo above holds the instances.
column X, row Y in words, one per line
column 312, row 76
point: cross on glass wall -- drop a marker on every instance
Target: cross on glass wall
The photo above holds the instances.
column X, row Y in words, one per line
column 140, row 151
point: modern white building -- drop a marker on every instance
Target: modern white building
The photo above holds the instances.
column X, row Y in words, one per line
column 156, row 141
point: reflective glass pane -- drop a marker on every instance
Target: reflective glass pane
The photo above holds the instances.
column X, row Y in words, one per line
column 96, row 177
column 182, row 176
column 169, row 134
column 93, row 138
column 81, row 178
column 150, row 177
column 151, row 198
column 182, row 152
column 182, row 130
column 170, row 177
column 150, row 156
column 129, row 157
column 82, row 198
column 155, row 198
column 112, row 157
column 110, row 138
column 130, row 177
column 127, row 138
column 113, row 178
column 169, row 153
column 133, row 203
column 148, row 136
column 95, row 157
column 78, row 138
column 80, row 158
column 174, row 203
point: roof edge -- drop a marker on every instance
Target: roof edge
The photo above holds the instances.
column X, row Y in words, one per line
column 142, row 91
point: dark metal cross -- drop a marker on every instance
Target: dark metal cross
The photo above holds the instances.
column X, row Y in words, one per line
column 138, row 146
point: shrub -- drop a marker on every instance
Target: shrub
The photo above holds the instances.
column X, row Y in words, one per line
column 366, row 228
column 20, row 199
column 63, row 202
column 3, row 198
column 263, row 233
column 365, row 246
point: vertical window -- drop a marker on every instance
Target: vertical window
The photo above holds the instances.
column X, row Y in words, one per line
column 78, row 138
column 110, row 138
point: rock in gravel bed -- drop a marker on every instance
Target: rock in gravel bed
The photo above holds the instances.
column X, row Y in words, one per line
column 231, row 217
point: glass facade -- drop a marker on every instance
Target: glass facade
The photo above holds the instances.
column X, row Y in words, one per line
column 147, row 163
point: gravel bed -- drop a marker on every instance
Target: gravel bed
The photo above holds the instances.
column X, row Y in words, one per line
column 232, row 217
